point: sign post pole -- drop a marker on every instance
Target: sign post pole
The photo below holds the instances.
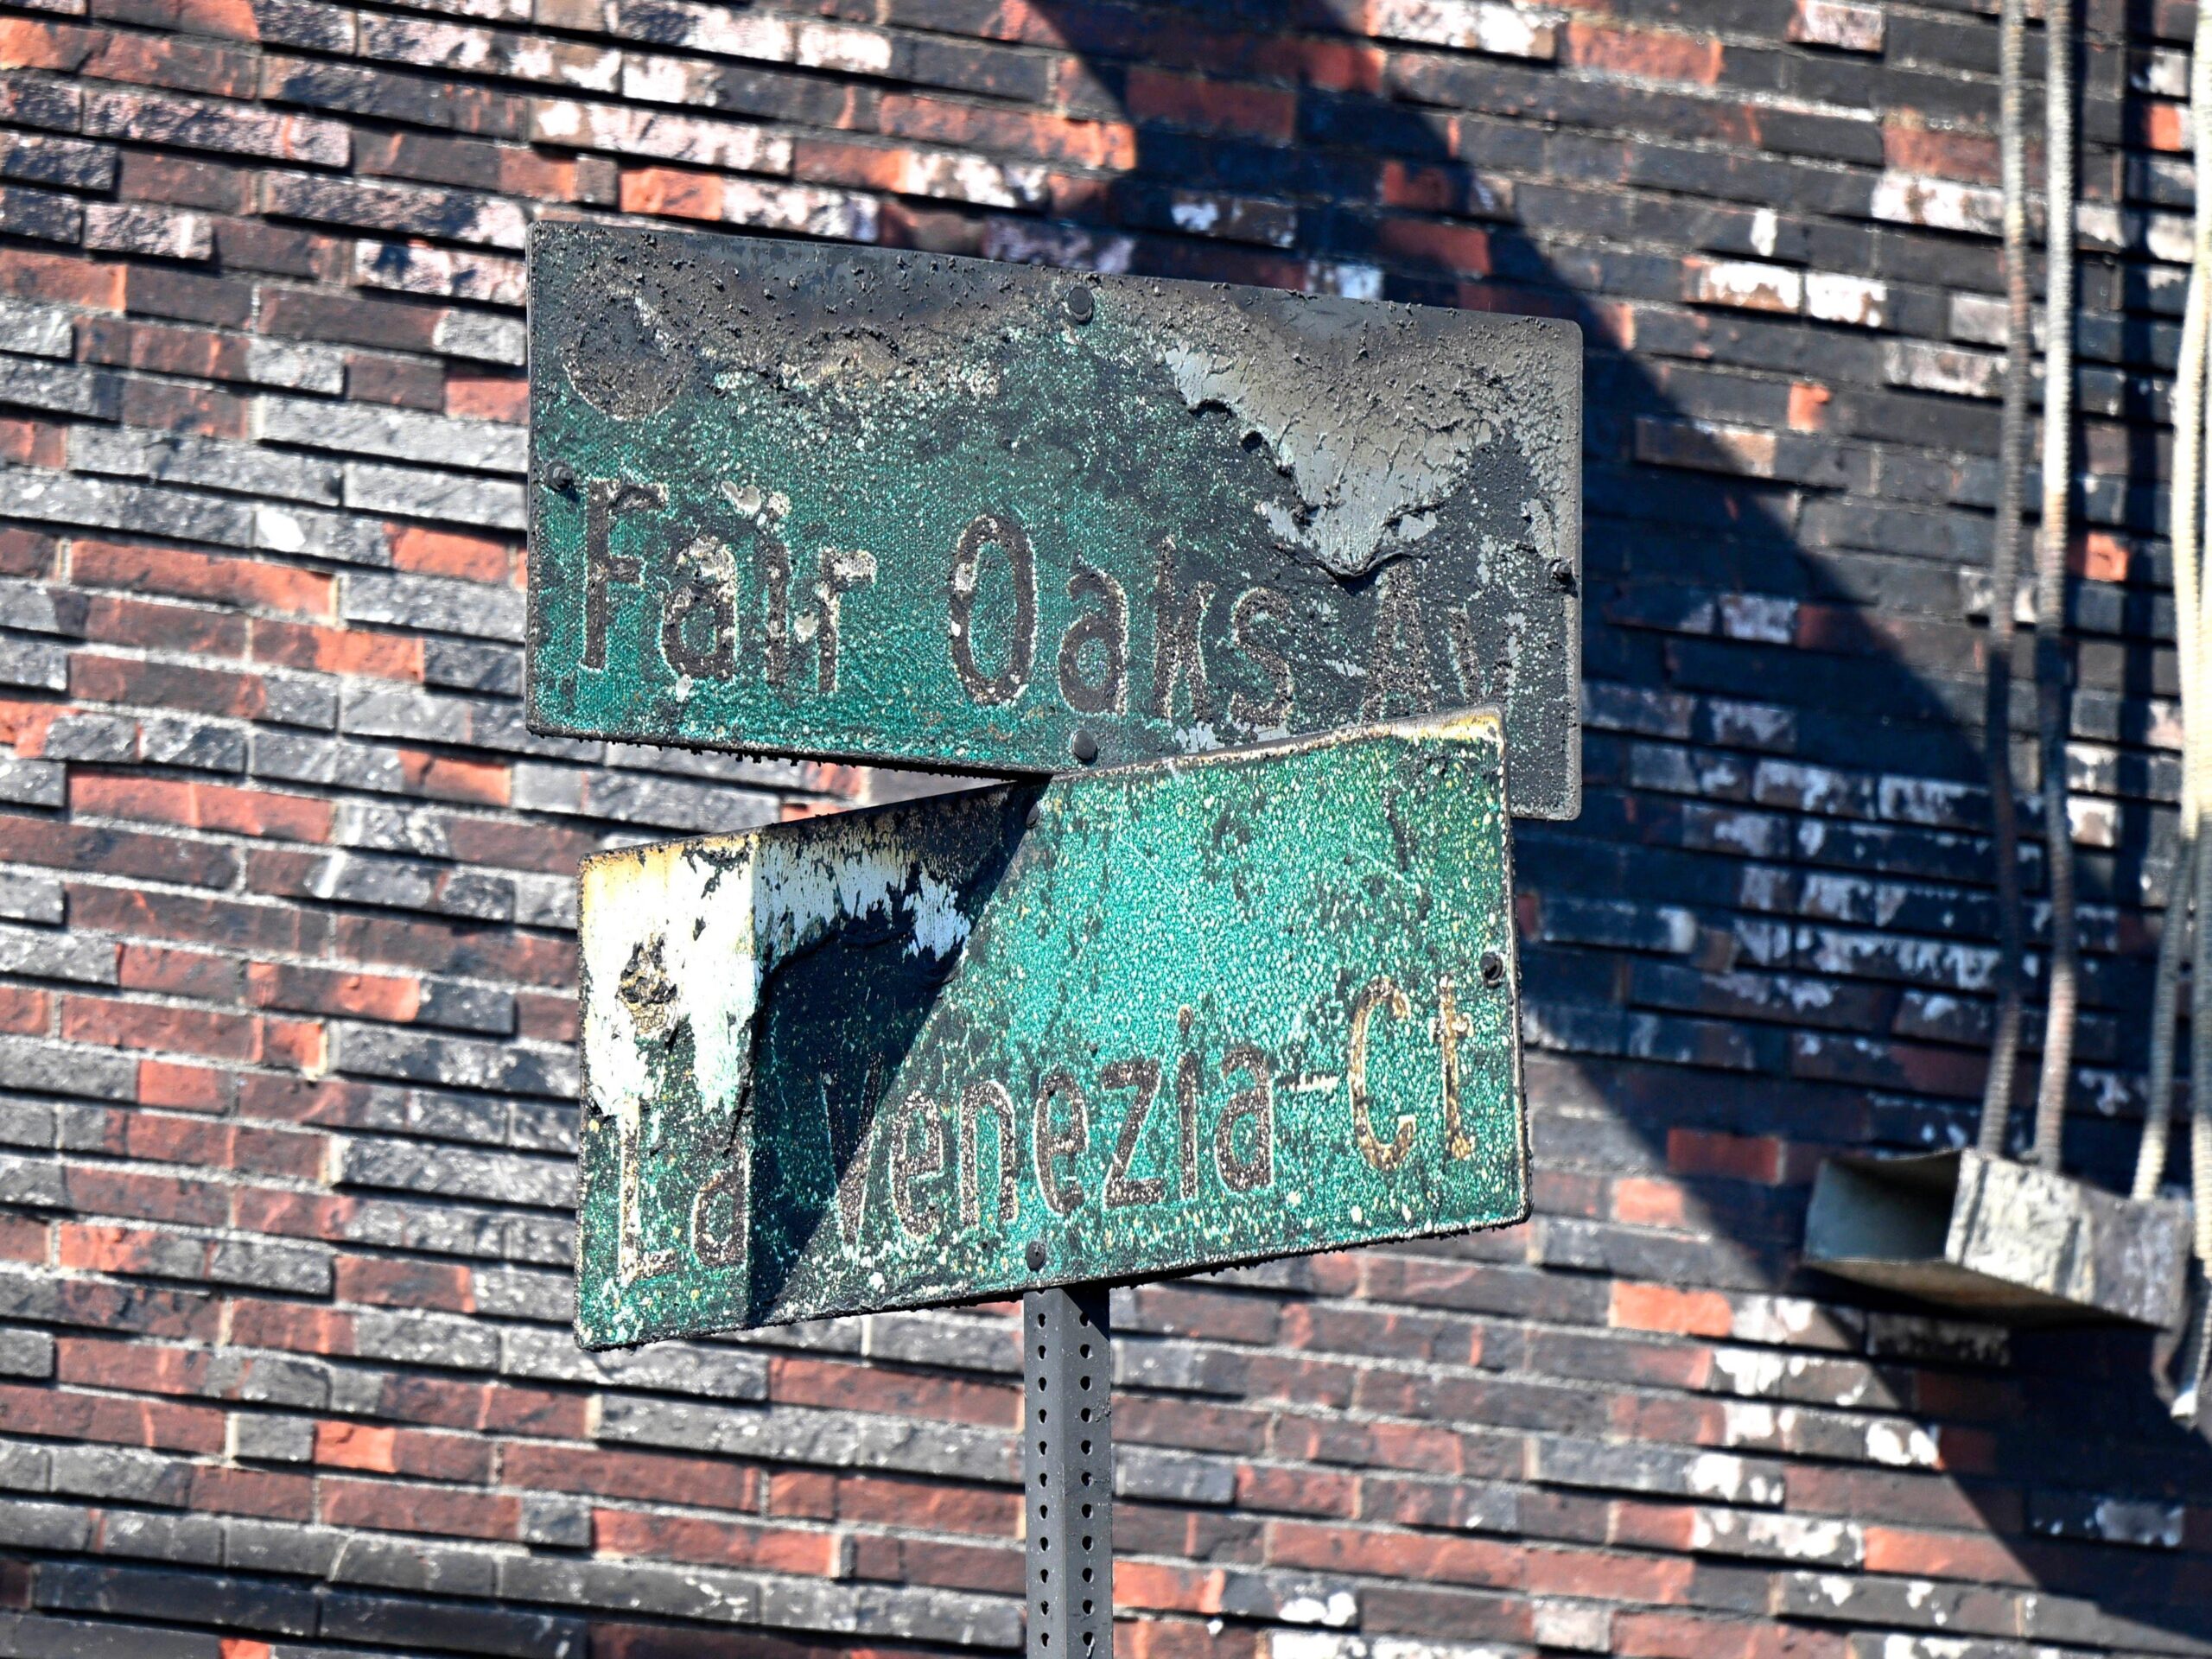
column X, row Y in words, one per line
column 1067, row 1467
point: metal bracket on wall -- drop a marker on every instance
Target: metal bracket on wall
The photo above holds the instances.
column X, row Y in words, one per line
column 1067, row 1467
column 2002, row 1240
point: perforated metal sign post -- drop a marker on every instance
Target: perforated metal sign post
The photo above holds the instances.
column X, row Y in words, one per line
column 911, row 509
column 1067, row 1470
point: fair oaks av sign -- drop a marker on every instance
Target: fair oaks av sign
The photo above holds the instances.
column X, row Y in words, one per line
column 934, row 511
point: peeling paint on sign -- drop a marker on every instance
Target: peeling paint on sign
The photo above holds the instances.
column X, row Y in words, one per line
column 919, row 510
column 1136, row 1022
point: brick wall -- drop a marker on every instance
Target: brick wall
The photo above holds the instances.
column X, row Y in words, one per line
column 286, row 971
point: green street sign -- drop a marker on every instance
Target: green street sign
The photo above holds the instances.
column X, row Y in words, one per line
column 1123, row 1024
column 914, row 510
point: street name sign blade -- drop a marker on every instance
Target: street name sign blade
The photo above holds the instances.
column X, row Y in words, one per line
column 1149, row 1021
column 909, row 509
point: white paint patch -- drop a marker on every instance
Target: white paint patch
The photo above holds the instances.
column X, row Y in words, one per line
column 1197, row 217
column 701, row 917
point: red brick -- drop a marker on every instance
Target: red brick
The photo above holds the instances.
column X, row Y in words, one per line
column 101, row 1191
column 329, row 990
column 714, row 1543
column 110, row 1250
column 394, row 1506
column 651, row 1477
column 32, row 275
column 1609, row 1576
column 336, row 651
column 253, row 1491
column 548, row 1019
column 119, row 1023
column 163, row 348
column 407, row 383
column 29, row 43
column 797, row 1379
column 449, row 777
column 991, row 1569
column 134, row 1367
column 487, row 396
column 347, row 319
column 113, row 619
column 157, row 60
column 1925, row 1555
column 116, row 852
column 670, row 192
column 22, row 1239
column 166, row 686
column 2162, row 127
column 168, row 406
column 197, row 974
column 388, row 1281
column 258, row 583
column 388, row 1451
column 887, row 1501
column 22, row 1009
column 1733, row 1157
column 1159, row 1586
column 34, row 443
column 1648, row 55
column 1084, row 143
column 449, row 553
column 113, row 1418
column 1661, row 1307
column 1941, row 153
column 1428, row 242
column 27, row 553
column 189, row 181
column 1272, row 1489
column 1392, row 1554
column 1641, row 1203
column 1243, row 110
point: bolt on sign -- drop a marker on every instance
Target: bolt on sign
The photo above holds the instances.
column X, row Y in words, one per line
column 1130, row 1022
column 916, row 510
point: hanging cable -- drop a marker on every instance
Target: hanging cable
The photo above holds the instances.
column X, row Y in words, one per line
column 2003, row 586
column 2196, row 791
column 2192, row 882
column 2186, row 518
column 2051, row 702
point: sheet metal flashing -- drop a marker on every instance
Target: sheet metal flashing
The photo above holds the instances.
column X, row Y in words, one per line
column 917, row 510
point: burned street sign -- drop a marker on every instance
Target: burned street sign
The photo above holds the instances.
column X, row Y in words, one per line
column 1136, row 1022
column 911, row 509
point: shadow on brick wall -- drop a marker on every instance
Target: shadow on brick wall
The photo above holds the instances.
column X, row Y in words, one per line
column 1765, row 934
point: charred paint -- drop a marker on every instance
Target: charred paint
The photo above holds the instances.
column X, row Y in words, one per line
column 1175, row 1015
column 914, row 509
